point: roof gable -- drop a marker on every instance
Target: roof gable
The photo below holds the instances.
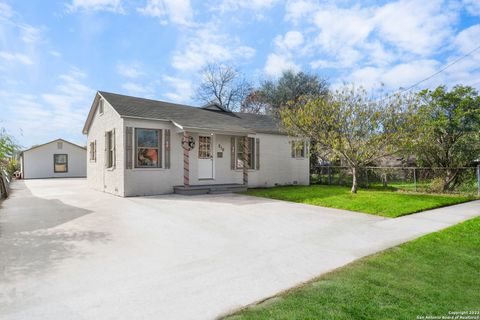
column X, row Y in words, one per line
column 215, row 106
column 91, row 113
column 53, row 141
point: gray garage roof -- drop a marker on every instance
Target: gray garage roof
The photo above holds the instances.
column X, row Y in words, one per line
column 189, row 117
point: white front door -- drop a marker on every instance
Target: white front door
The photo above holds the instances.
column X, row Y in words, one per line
column 205, row 157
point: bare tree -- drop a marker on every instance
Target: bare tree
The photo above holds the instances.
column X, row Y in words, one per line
column 224, row 85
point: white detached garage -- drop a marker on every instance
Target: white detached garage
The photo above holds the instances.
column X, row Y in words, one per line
column 54, row 159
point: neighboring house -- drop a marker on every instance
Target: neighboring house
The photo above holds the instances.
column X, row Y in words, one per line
column 55, row 159
column 145, row 147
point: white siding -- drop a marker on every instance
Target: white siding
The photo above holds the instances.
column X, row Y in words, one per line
column 110, row 180
column 150, row 181
column 277, row 167
column 38, row 162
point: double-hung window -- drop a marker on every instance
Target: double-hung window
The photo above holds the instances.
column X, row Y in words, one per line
column 93, row 151
column 239, row 155
column 60, row 163
column 110, row 148
column 299, row 149
column 148, row 148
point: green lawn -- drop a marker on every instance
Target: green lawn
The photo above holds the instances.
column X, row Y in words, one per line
column 432, row 275
column 385, row 203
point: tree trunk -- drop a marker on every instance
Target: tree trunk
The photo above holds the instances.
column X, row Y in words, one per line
column 450, row 180
column 354, row 180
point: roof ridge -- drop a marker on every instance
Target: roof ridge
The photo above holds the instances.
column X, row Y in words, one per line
column 54, row 140
column 148, row 99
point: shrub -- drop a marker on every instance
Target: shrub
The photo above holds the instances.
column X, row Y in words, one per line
column 12, row 166
column 436, row 185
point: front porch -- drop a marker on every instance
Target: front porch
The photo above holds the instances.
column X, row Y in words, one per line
column 216, row 162
column 210, row 188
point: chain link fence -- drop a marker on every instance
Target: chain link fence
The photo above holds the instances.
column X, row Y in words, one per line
column 464, row 180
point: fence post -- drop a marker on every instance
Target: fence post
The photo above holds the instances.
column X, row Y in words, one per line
column 366, row 176
column 478, row 180
column 329, row 175
column 415, row 178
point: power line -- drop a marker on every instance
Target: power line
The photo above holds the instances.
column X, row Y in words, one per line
column 440, row 71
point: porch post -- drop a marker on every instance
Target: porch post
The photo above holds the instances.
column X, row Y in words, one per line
column 186, row 161
column 245, row 161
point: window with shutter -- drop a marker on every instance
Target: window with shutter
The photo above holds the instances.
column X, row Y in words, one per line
column 148, row 148
column 239, row 157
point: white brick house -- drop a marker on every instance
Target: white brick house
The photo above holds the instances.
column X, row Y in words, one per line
column 145, row 147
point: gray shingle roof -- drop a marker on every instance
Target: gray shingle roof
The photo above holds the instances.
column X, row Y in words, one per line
column 191, row 117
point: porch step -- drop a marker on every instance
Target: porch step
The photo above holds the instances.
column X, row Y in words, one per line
column 210, row 188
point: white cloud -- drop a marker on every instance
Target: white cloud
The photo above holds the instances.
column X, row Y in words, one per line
column 400, row 75
column 340, row 35
column 41, row 117
column 6, row 11
column 182, row 89
column 465, row 71
column 255, row 5
column 472, row 7
column 178, row 11
column 340, row 28
column 97, row 5
column 276, row 64
column 55, row 53
column 468, row 39
column 416, row 27
column 138, row 89
column 291, row 40
column 130, row 70
column 295, row 10
column 30, row 34
column 15, row 58
column 207, row 44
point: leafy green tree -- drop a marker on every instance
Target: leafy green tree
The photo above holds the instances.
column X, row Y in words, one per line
column 449, row 131
column 289, row 88
column 8, row 146
column 351, row 126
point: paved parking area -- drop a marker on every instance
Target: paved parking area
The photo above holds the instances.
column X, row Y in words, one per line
column 68, row 252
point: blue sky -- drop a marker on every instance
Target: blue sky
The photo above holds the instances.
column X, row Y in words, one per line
column 54, row 55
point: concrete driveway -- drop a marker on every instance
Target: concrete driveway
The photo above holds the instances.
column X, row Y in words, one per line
column 68, row 252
